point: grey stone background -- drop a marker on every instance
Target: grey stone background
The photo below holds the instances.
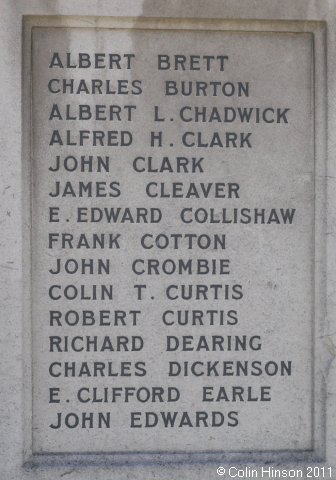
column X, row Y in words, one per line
column 15, row 223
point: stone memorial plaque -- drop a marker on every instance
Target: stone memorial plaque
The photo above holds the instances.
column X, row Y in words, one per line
column 168, row 221
column 173, row 237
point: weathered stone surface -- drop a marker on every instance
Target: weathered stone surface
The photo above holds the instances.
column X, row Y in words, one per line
column 221, row 357
column 240, row 226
